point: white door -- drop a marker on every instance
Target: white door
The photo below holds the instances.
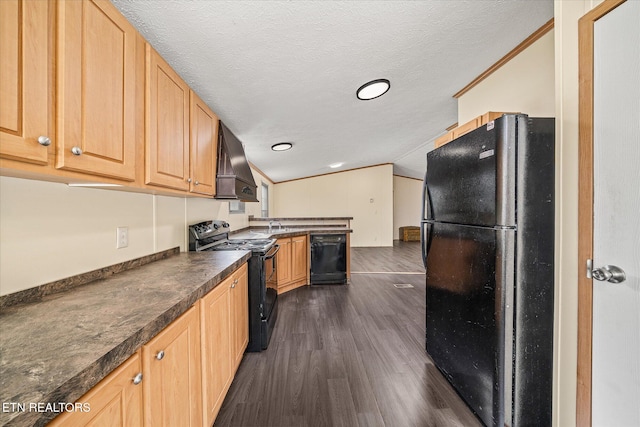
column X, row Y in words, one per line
column 616, row 233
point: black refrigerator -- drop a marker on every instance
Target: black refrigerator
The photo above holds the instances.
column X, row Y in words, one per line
column 487, row 238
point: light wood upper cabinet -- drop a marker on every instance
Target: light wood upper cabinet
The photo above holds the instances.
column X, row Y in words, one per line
column 167, row 125
column 115, row 401
column 96, row 94
column 25, row 92
column 468, row 127
column 204, row 139
column 172, row 383
column 299, row 262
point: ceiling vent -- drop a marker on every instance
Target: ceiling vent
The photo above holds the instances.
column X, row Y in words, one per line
column 234, row 180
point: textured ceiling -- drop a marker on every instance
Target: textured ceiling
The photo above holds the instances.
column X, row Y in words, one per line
column 279, row 71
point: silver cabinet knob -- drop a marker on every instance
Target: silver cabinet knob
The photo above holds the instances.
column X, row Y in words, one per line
column 197, row 183
column 76, row 151
column 44, row 140
column 138, row 378
column 609, row 273
column 235, row 282
column 188, row 179
column 160, row 355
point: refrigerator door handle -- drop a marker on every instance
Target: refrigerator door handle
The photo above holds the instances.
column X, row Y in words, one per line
column 426, row 200
column 423, row 245
column 425, row 241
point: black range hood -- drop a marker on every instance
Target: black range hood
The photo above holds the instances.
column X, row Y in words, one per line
column 234, row 180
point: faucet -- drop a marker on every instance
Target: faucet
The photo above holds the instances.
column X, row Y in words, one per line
column 271, row 223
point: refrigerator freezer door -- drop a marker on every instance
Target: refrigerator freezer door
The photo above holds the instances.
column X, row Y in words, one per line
column 468, row 305
column 472, row 180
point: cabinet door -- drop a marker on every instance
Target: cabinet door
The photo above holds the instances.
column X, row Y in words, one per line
column 115, row 401
column 172, row 369
column 215, row 315
column 440, row 141
column 240, row 314
column 167, row 125
column 299, row 265
column 96, row 97
column 467, row 127
column 204, row 139
column 283, row 265
column 24, row 80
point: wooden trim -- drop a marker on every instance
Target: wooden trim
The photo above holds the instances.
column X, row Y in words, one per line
column 508, row 57
column 585, row 208
column 452, row 127
column 331, row 173
column 408, row 177
column 257, row 169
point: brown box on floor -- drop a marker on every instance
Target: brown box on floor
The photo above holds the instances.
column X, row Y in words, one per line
column 410, row 234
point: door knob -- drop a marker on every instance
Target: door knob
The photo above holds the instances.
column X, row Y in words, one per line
column 608, row 273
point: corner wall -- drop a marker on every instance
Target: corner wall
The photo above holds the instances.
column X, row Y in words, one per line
column 407, row 203
column 525, row 84
column 50, row 231
column 365, row 194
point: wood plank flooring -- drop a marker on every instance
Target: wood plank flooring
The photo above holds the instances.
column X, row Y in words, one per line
column 350, row 355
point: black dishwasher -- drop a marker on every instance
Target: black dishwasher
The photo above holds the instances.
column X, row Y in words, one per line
column 328, row 259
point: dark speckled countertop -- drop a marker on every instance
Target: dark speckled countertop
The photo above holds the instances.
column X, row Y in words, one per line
column 56, row 349
column 288, row 231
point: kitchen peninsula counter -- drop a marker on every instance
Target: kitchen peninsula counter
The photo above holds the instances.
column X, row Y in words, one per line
column 57, row 348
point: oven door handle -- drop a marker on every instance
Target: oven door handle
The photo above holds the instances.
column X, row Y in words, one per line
column 277, row 247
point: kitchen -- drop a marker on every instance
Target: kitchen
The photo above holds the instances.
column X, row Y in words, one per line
column 75, row 226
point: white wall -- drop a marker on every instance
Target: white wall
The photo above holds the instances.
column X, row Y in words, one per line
column 50, row 231
column 407, row 203
column 365, row 194
column 525, row 84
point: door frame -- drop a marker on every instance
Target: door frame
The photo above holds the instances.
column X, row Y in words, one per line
column 585, row 207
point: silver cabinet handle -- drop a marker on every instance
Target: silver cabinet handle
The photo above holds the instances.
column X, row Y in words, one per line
column 609, row 273
column 138, row 378
column 235, row 282
column 197, row 183
column 44, row 140
column 76, row 151
column 160, row 355
column 188, row 179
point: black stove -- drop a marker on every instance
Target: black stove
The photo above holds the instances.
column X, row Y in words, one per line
column 214, row 236
column 263, row 298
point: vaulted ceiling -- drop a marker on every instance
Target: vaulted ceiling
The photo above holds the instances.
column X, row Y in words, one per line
column 288, row 71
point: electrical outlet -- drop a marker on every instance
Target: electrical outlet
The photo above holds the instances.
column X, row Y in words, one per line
column 122, row 237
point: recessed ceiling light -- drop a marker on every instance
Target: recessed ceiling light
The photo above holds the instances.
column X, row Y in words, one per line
column 282, row 146
column 336, row 165
column 373, row 89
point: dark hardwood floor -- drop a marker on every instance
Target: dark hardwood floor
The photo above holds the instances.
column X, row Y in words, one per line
column 351, row 355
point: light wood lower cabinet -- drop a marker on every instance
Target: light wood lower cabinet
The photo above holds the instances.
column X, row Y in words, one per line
column 292, row 263
column 173, row 379
column 115, row 401
column 239, row 315
column 185, row 370
column 225, row 335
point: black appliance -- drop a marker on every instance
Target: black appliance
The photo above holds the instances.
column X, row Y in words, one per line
column 487, row 238
column 263, row 299
column 328, row 259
